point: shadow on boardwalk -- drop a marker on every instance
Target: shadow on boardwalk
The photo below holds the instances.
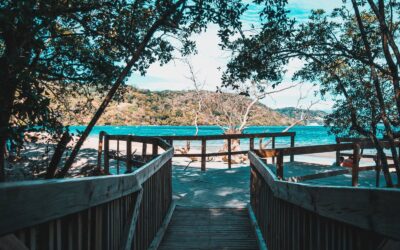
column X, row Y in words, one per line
column 213, row 188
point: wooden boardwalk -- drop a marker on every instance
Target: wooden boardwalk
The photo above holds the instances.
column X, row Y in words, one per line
column 209, row 228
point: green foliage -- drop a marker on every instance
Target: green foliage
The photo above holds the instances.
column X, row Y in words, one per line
column 178, row 113
column 296, row 113
column 50, row 49
column 250, row 53
column 332, row 48
column 172, row 108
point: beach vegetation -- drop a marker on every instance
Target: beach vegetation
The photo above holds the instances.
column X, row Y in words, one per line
column 49, row 48
column 352, row 54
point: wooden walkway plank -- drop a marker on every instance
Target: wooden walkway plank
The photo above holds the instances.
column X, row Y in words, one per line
column 209, row 228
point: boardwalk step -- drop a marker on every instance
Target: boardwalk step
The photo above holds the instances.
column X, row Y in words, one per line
column 209, row 228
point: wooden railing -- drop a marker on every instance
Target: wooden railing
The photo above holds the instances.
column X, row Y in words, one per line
column 203, row 155
column 368, row 141
column 354, row 147
column 126, row 154
column 106, row 212
column 298, row 216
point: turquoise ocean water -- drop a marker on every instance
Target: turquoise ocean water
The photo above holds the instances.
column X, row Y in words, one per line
column 305, row 135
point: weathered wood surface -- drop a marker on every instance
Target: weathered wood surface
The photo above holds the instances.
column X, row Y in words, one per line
column 212, row 154
column 319, row 175
column 285, row 225
column 363, row 143
column 203, row 138
column 203, row 154
column 30, row 203
column 229, row 153
column 130, row 228
column 227, row 136
column 317, row 148
column 257, row 230
column 209, row 228
column 362, row 208
column 128, row 155
column 157, row 200
column 281, row 152
column 163, row 229
column 304, row 150
column 108, row 212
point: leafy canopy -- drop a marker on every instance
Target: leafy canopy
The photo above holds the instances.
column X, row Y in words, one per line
column 50, row 49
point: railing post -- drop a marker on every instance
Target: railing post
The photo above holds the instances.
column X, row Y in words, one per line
column 118, row 156
column 378, row 169
column 155, row 148
column 273, row 147
column 106, row 154
column 398, row 151
column 100, row 149
column 292, row 146
column 356, row 159
column 337, row 152
column 129, row 155
column 229, row 153
column 144, row 149
column 279, row 166
column 251, row 144
column 203, row 154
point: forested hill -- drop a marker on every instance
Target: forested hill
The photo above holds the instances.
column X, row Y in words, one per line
column 314, row 116
column 144, row 107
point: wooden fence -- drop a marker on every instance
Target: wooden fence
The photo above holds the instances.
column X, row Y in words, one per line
column 365, row 141
column 203, row 155
column 298, row 216
column 107, row 212
column 354, row 147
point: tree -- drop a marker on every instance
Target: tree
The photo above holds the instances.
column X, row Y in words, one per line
column 49, row 48
column 351, row 54
column 41, row 47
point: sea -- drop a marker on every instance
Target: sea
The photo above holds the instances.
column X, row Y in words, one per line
column 305, row 135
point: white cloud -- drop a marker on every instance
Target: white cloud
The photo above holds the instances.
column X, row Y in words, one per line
column 173, row 75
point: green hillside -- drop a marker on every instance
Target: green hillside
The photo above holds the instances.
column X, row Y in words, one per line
column 144, row 107
column 313, row 116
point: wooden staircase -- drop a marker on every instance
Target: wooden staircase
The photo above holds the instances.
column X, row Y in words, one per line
column 209, row 228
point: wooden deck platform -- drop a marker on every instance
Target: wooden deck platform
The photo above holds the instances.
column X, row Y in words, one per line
column 209, row 228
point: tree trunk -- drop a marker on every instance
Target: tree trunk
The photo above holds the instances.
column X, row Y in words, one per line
column 6, row 102
column 136, row 55
column 378, row 89
column 2, row 158
column 55, row 160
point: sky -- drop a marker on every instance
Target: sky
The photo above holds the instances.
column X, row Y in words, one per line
column 210, row 61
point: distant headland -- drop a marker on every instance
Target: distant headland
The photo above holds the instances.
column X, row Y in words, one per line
column 144, row 107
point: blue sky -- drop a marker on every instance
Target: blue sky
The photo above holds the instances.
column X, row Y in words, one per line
column 211, row 60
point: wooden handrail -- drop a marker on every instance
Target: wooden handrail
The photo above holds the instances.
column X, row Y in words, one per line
column 227, row 136
column 42, row 210
column 366, row 208
column 281, row 152
column 25, row 198
column 364, row 144
column 162, row 142
column 305, row 149
column 319, row 148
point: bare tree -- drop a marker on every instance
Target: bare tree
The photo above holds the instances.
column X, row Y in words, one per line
column 198, row 87
column 302, row 114
column 237, row 121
